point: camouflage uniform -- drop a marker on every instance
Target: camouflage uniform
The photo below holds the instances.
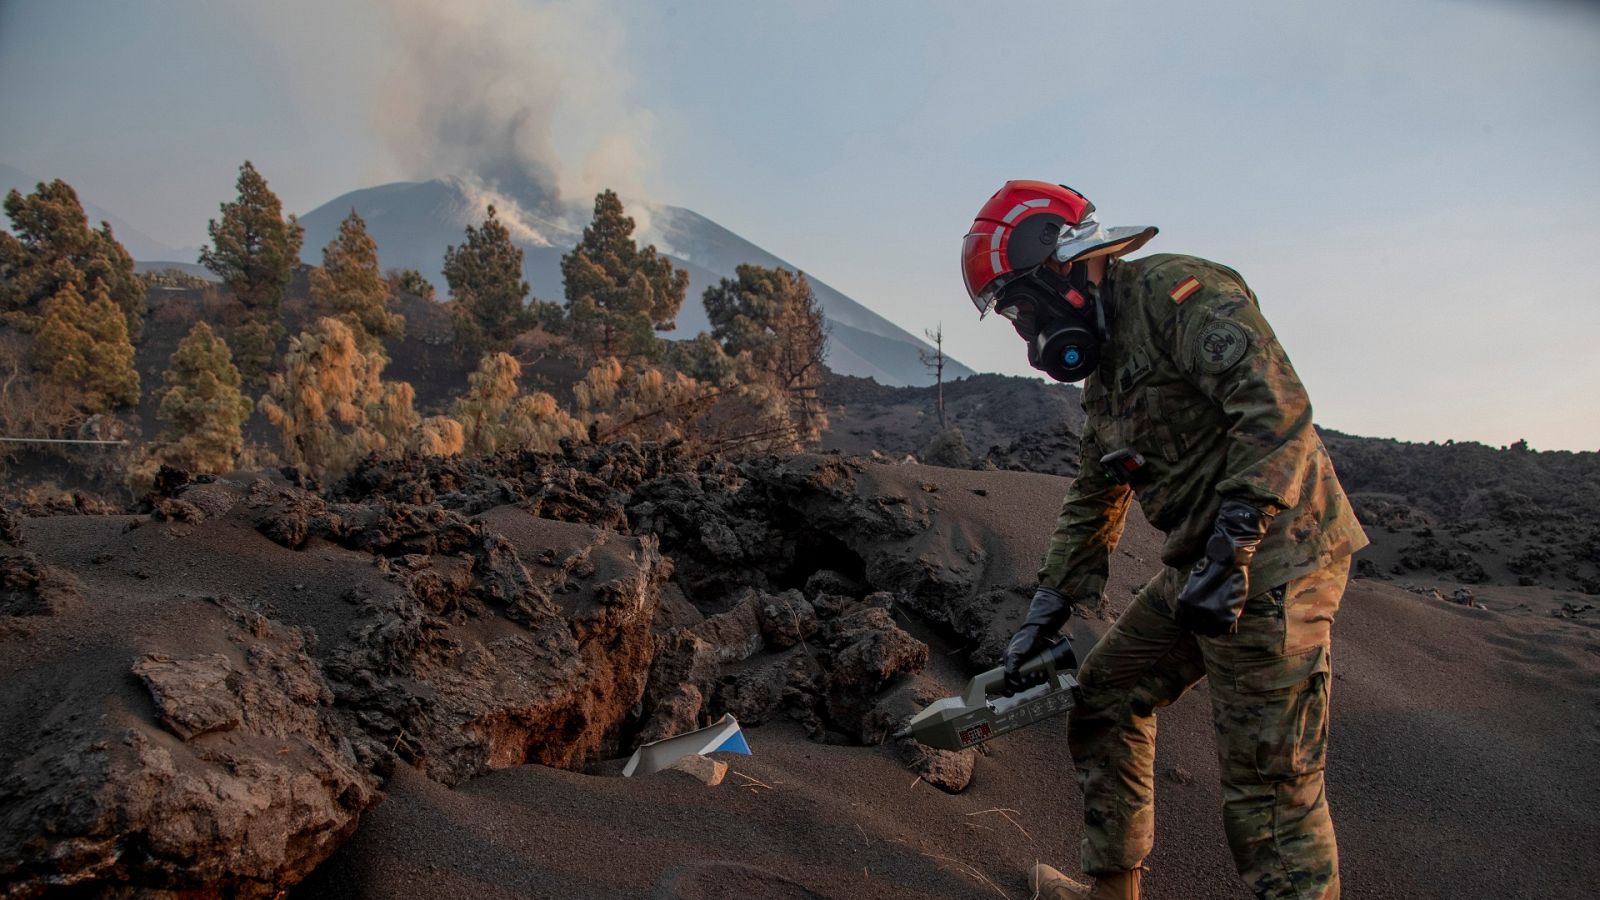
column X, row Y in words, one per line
column 1194, row 379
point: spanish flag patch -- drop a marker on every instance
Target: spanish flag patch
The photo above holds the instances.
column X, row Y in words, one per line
column 1184, row 288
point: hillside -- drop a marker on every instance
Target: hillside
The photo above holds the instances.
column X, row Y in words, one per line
column 478, row 644
column 1462, row 512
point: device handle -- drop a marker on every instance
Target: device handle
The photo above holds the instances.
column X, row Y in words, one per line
column 1058, row 656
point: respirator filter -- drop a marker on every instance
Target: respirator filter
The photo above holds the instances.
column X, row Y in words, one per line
column 1063, row 338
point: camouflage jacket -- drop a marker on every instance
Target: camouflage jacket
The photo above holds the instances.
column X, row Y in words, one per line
column 1193, row 378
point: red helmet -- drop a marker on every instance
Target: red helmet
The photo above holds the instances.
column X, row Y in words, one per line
column 1023, row 224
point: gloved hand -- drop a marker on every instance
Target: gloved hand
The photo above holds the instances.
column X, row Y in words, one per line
column 1048, row 611
column 1213, row 598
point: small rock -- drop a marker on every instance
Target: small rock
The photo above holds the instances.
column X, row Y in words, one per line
column 212, row 498
column 866, row 652
column 736, row 634
column 1179, row 775
column 948, row 770
column 757, row 693
column 719, row 540
column 831, row 606
column 786, row 619
column 169, row 510
column 827, row 581
column 191, row 696
column 704, row 769
column 878, row 600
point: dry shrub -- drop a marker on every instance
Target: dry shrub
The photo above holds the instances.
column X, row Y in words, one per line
column 29, row 405
column 651, row 405
column 439, row 436
column 255, row 457
column 330, row 405
column 495, row 415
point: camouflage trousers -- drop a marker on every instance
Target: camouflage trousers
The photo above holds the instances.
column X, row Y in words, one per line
column 1269, row 686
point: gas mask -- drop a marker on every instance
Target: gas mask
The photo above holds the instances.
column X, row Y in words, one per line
column 1061, row 318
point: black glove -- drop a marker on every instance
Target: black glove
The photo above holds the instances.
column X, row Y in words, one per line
column 1211, row 602
column 1049, row 611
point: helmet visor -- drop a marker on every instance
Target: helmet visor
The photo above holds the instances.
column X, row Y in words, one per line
column 981, row 267
column 993, row 293
column 1089, row 239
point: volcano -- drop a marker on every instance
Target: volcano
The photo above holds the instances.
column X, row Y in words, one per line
column 413, row 223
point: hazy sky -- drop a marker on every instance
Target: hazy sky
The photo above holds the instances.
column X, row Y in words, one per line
column 1412, row 189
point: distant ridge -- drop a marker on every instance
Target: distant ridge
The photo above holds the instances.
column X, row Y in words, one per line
column 139, row 244
column 413, row 222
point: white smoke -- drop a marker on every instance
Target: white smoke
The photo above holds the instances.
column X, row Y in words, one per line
column 525, row 101
column 525, row 227
column 651, row 223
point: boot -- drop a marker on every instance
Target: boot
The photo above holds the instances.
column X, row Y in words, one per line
column 1050, row 884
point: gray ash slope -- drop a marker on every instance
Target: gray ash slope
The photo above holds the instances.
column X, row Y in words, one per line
column 413, row 223
column 477, row 638
column 1474, row 784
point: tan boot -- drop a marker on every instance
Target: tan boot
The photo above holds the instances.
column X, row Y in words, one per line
column 1050, row 884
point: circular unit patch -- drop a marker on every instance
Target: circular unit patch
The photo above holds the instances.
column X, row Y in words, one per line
column 1222, row 344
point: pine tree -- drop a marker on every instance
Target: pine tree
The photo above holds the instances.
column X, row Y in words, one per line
column 255, row 344
column 54, row 246
column 331, row 406
column 111, row 371
column 495, row 415
column 773, row 315
column 202, row 405
column 254, row 251
column 409, row 281
column 348, row 286
column 618, row 296
column 83, row 349
column 702, row 359
column 62, row 346
column 487, row 292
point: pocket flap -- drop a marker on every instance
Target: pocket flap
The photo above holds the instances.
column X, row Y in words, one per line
column 1258, row 676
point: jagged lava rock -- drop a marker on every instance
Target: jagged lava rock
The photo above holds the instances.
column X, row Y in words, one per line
column 242, row 786
column 209, row 708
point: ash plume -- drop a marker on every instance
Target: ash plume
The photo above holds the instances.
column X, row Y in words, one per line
column 523, row 104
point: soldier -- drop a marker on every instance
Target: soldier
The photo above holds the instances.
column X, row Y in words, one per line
column 1194, row 410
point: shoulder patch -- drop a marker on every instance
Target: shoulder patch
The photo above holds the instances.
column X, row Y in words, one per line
column 1222, row 345
column 1181, row 291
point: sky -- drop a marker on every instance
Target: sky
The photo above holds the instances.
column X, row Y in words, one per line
column 1411, row 189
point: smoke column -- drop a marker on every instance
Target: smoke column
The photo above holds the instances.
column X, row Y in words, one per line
column 523, row 103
